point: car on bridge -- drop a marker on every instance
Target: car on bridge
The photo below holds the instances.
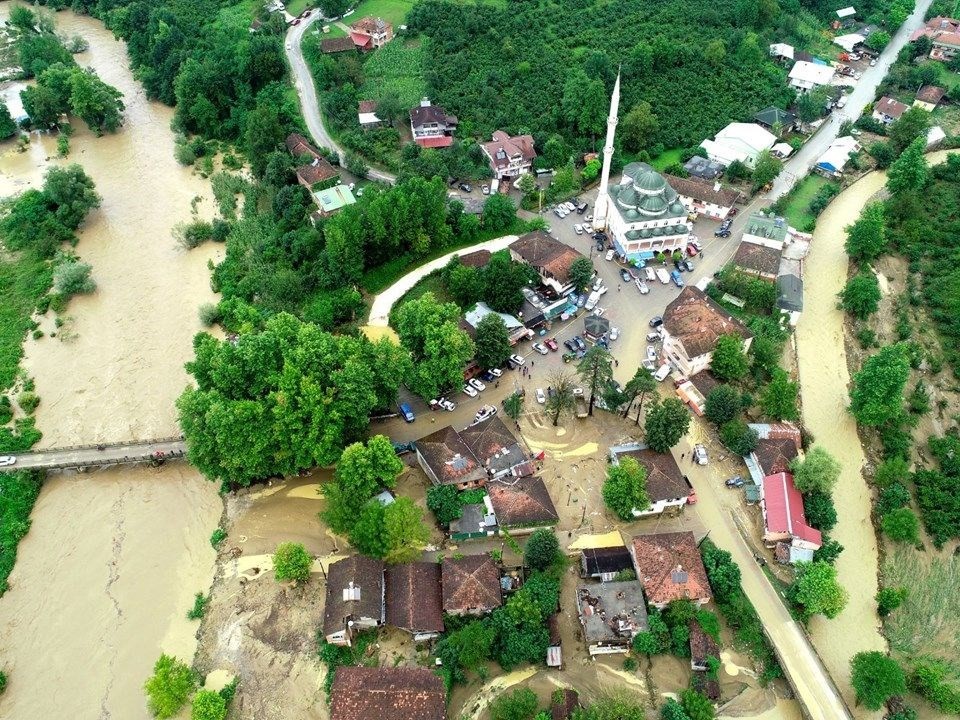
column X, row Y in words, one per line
column 7, row 460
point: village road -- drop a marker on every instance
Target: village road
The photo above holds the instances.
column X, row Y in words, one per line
column 306, row 90
column 797, row 167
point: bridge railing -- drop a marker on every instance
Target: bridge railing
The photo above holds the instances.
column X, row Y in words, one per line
column 105, row 446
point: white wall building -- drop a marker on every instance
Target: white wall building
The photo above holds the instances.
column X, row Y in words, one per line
column 692, row 325
column 739, row 141
column 807, row 75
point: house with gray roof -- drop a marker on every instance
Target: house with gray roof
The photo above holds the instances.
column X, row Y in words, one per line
column 667, row 486
column 354, row 598
column 611, row 615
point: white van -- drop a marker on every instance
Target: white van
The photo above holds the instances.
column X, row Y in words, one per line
column 663, row 276
column 661, row 374
column 651, row 275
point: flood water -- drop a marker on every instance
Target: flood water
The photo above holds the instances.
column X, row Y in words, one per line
column 824, row 382
column 109, row 569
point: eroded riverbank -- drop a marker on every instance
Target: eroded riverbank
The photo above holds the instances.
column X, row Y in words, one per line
column 112, row 561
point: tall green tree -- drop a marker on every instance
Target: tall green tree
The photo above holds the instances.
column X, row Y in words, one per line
column 766, row 170
column 625, row 488
column 492, row 342
column 542, row 550
column 638, row 127
column 861, row 295
column 818, row 471
column 584, row 103
column 739, row 437
column 8, row 127
column 169, row 686
column 502, row 281
column 876, row 678
column 498, row 212
column 729, row 360
column 909, row 172
column 877, row 394
column 596, row 370
column 639, row 385
column 562, row 400
column 779, row 397
column 581, row 273
column 866, row 238
column 667, row 421
column 723, row 404
column 817, row 591
column 291, row 561
column 911, row 125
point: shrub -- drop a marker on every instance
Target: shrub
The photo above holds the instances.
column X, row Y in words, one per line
column 820, row 511
column 521, row 704
column 194, row 234
column 876, row 678
column 542, row 550
column 894, row 496
column 291, row 562
column 889, row 599
column 739, row 437
column 199, row 606
column 3, row 681
column 217, row 537
column 28, row 402
column 71, row 277
column 209, row 314
column 208, row 705
column 891, row 471
column 723, row 404
column 169, row 686
column 901, row 525
column 630, row 664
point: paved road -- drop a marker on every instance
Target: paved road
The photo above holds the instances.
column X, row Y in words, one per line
column 863, row 94
column 90, row 456
column 303, row 82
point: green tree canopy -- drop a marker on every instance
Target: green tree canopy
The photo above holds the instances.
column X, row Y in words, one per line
column 208, row 705
column 492, row 342
column 499, row 212
column 542, row 549
column 866, row 238
column 291, row 561
column 901, row 525
column 876, row 678
column 911, row 125
column 877, row 394
column 861, row 295
column 169, row 686
column 818, row 471
column 596, row 370
column 739, row 437
column 779, row 398
column 722, row 572
column 723, row 404
column 581, row 272
column 666, row 423
column 8, row 127
column 817, row 591
column 638, row 127
column 625, row 488
column 729, row 359
column 562, row 400
column 909, row 172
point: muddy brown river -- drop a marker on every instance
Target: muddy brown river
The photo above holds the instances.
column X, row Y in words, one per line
column 112, row 561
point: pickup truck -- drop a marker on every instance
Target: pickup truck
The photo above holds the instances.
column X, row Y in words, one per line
column 663, row 276
column 581, row 402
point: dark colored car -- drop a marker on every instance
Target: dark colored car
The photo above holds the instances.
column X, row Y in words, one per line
column 581, row 345
column 570, row 345
column 465, row 187
column 656, row 321
column 407, row 413
column 735, row 482
column 721, row 233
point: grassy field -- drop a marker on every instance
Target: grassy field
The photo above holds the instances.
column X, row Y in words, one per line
column 395, row 11
column 797, row 211
column 665, row 159
column 335, row 32
column 431, row 283
column 396, row 67
column 23, row 281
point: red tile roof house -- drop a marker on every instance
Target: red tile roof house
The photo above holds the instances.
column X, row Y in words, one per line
column 413, row 599
column 522, row 505
column 549, row 257
column 702, row 646
column 703, row 196
column 669, row 567
column 470, row 585
column 887, row 110
column 387, row 693
column 783, row 518
column 692, row 324
column 509, row 157
column 431, row 126
column 929, row 96
column 370, row 33
column 667, row 486
column 778, row 446
column 317, row 173
column 355, row 598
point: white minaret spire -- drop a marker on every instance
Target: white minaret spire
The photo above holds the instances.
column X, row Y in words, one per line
column 602, row 205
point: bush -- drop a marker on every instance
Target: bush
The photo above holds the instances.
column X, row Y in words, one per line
column 901, row 525
column 208, row 705
column 929, row 681
column 894, row 496
column 199, row 606
column 194, row 234
column 876, row 678
column 820, row 511
column 71, row 277
column 217, row 537
column 291, row 562
column 739, row 437
column 889, row 599
column 723, row 405
column 28, row 402
column 894, row 470
column 169, row 686
column 521, row 704
column 444, row 502
column 630, row 664
column 209, row 314
column 542, row 550
column 3, row 681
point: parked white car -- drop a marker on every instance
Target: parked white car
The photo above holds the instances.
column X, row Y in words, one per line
column 477, row 384
column 540, row 348
column 469, row 391
column 642, row 287
column 496, row 372
column 541, row 398
column 7, row 460
column 651, row 275
column 517, row 360
column 651, row 352
column 609, row 254
column 614, row 333
column 700, row 454
column 484, row 413
column 578, row 229
column 662, row 373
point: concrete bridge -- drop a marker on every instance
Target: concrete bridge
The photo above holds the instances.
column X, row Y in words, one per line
column 81, row 457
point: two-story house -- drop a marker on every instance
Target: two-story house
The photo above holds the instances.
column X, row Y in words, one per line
column 509, row 157
column 370, row 33
column 692, row 325
column 704, row 197
column 888, row 111
column 431, row 126
column 549, row 257
column 355, row 598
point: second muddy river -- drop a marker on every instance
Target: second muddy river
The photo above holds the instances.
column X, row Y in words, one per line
column 112, row 561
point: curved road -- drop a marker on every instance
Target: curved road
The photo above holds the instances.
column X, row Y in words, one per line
column 309, row 106
column 863, row 94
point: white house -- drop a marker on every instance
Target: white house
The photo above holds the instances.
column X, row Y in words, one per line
column 781, row 50
column 835, row 159
column 692, row 325
column 509, row 157
column 804, row 76
column 739, row 141
column 367, row 114
column 849, row 42
column 704, row 197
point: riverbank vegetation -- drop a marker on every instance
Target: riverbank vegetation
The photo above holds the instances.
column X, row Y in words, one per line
column 18, row 493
